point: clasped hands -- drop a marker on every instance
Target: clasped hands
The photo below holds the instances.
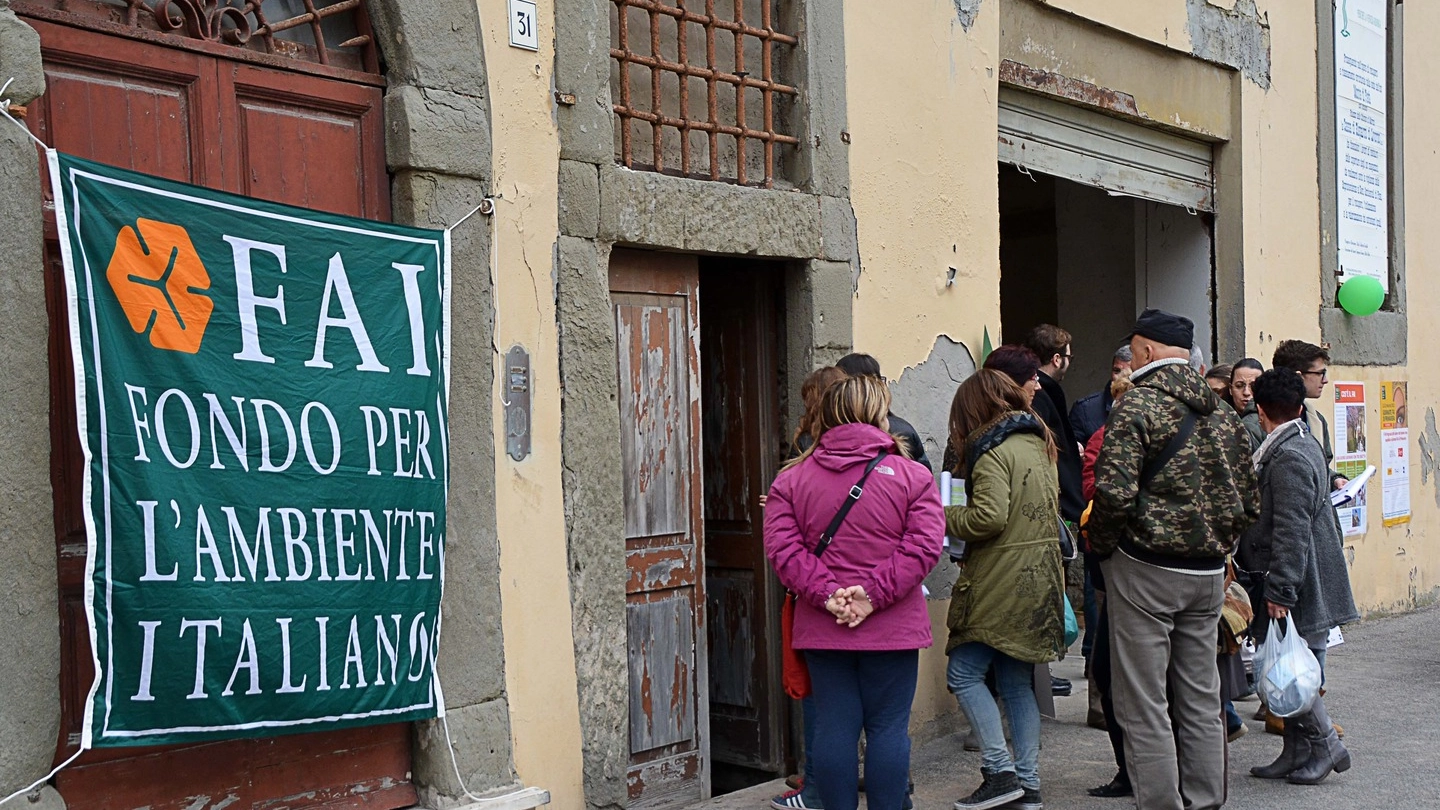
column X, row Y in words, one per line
column 850, row 606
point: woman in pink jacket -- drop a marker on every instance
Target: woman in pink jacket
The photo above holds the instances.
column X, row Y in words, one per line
column 860, row 616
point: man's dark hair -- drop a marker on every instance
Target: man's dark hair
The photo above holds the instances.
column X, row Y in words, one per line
column 1248, row 362
column 1281, row 393
column 1297, row 355
column 1014, row 361
column 859, row 365
column 1046, row 341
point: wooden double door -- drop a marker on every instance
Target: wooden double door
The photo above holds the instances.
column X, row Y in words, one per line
column 197, row 117
column 698, row 343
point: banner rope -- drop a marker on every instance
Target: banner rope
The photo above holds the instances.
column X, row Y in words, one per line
column 47, row 777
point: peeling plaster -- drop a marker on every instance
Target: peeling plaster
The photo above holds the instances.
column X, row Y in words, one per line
column 967, row 11
column 922, row 395
column 1238, row 37
column 1430, row 454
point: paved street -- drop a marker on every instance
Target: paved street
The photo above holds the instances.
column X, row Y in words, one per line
column 1383, row 686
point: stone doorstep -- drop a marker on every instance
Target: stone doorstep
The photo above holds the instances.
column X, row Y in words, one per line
column 512, row 798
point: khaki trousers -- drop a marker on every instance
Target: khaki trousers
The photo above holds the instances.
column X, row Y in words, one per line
column 1163, row 630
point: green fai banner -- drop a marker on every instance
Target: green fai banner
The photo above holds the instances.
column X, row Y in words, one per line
column 262, row 400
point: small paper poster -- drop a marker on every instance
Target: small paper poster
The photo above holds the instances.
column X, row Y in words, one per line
column 1396, row 471
column 1351, row 442
column 1394, row 409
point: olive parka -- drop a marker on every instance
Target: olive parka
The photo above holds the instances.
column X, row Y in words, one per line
column 1009, row 592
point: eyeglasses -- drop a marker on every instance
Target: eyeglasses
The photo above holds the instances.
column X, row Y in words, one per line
column 1324, row 373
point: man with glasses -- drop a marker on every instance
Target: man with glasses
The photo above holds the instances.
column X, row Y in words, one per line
column 1312, row 363
column 1052, row 345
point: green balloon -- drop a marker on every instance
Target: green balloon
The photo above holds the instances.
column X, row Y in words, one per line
column 1362, row 295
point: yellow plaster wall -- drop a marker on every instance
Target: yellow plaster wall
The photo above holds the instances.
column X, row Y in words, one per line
column 1281, row 191
column 921, row 98
column 535, row 589
column 1164, row 22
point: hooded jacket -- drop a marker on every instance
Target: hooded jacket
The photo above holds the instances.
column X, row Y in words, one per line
column 1089, row 413
column 888, row 543
column 1193, row 511
column 1315, row 424
column 1008, row 595
column 1297, row 545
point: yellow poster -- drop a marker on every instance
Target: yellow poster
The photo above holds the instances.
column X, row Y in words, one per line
column 1393, row 410
column 1395, row 453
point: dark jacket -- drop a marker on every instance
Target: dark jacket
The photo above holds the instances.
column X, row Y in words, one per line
column 905, row 432
column 1193, row 511
column 1250, row 418
column 1089, row 413
column 1296, row 549
column 1050, row 406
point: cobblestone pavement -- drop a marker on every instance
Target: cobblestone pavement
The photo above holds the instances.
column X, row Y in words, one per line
column 1383, row 688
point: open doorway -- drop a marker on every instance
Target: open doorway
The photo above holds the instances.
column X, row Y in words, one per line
column 1090, row 261
column 701, row 440
column 742, row 339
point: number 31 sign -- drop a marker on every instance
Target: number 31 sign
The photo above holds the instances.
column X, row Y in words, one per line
column 522, row 25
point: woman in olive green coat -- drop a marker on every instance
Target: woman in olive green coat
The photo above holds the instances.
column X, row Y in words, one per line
column 1006, row 610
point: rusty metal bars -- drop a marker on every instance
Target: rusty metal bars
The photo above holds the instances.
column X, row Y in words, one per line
column 740, row 79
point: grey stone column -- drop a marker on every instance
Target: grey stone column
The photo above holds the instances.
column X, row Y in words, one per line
column 29, row 610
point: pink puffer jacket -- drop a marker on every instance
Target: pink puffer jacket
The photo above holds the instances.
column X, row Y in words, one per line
column 890, row 540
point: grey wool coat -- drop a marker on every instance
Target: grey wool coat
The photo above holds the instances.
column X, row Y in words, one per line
column 1298, row 542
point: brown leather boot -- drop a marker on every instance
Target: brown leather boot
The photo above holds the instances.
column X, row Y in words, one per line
column 1273, row 724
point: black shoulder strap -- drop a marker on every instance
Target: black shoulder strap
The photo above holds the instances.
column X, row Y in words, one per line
column 1171, row 448
column 855, row 493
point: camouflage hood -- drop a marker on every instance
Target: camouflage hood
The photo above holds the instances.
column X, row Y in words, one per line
column 1179, row 381
column 1193, row 510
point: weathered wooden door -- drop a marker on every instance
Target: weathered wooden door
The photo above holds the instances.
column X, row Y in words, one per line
column 133, row 98
column 739, row 360
column 654, row 296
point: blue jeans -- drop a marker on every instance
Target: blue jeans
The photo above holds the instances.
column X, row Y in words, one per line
column 810, row 789
column 966, row 678
column 855, row 691
column 1232, row 718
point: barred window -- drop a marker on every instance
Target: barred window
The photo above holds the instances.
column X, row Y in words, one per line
column 699, row 88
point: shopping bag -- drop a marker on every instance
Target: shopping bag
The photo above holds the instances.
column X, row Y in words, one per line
column 794, row 673
column 1072, row 627
column 1289, row 674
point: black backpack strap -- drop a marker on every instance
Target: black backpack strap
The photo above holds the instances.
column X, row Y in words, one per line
column 855, row 493
column 1176, row 443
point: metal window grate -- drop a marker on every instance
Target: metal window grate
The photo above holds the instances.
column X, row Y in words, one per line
column 679, row 125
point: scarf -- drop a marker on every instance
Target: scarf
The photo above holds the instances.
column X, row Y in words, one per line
column 1263, row 451
column 989, row 437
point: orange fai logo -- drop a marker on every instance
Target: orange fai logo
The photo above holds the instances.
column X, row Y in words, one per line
column 160, row 281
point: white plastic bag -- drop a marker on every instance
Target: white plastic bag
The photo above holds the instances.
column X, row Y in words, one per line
column 1289, row 679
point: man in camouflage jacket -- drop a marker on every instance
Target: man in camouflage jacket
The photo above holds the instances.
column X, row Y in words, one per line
column 1165, row 541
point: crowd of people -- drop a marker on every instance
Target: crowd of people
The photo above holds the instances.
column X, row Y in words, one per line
column 1201, row 500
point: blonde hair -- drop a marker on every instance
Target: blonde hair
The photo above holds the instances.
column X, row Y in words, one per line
column 852, row 400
